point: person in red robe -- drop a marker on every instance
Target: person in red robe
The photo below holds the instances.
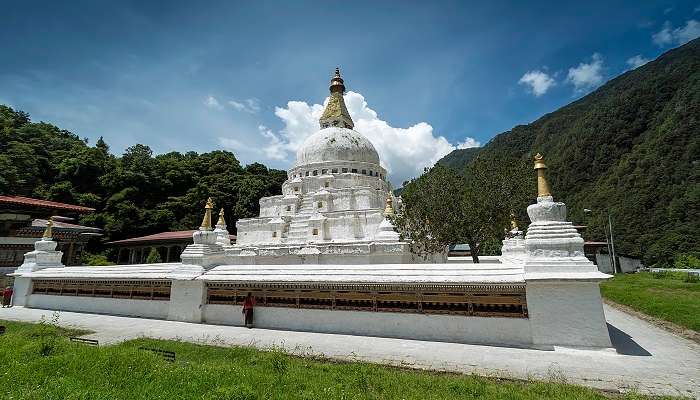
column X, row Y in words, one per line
column 248, row 305
column 7, row 297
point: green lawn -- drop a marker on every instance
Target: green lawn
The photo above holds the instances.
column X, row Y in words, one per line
column 664, row 296
column 38, row 362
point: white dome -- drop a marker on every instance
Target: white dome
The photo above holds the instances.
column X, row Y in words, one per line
column 336, row 144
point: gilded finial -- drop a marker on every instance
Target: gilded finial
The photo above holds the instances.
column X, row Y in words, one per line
column 513, row 222
column 336, row 113
column 48, row 232
column 389, row 209
column 221, row 221
column 337, row 83
column 206, row 222
column 542, row 185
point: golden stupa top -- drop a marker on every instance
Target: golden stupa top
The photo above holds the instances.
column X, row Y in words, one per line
column 513, row 222
column 542, row 184
column 539, row 161
column 336, row 113
column 389, row 209
column 206, row 221
column 48, row 232
column 221, row 221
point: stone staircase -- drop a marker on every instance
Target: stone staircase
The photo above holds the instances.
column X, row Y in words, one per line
column 299, row 226
column 307, row 206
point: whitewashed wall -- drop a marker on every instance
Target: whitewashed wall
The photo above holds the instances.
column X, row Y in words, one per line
column 508, row 331
column 138, row 308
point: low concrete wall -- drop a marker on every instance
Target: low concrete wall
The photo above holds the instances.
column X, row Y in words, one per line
column 99, row 305
column 628, row 264
column 503, row 331
column 604, row 263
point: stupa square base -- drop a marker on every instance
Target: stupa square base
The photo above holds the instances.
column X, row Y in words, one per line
column 567, row 313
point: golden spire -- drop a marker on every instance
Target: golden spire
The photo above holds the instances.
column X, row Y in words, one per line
column 542, row 185
column 48, row 232
column 337, row 82
column 389, row 209
column 513, row 223
column 336, row 113
column 206, row 222
column 221, row 221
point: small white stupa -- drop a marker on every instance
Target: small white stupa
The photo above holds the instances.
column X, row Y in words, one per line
column 222, row 236
column 44, row 255
column 513, row 249
column 205, row 251
column 562, row 284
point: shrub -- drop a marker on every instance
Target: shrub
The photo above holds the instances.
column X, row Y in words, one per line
column 686, row 261
column 47, row 334
column 153, row 257
column 278, row 360
column 96, row 259
column 660, row 274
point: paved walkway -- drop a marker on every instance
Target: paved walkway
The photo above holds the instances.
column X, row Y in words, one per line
column 648, row 359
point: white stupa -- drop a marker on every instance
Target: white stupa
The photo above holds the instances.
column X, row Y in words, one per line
column 324, row 257
column 333, row 204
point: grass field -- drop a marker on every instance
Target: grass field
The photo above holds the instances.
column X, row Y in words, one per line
column 38, row 362
column 661, row 295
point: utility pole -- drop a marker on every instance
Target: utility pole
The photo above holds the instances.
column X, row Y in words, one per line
column 607, row 242
column 612, row 243
column 611, row 247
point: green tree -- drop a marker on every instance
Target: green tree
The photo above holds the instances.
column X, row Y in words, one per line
column 442, row 207
column 153, row 257
column 431, row 216
column 96, row 259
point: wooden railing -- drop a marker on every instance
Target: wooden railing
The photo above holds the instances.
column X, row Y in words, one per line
column 472, row 300
column 137, row 290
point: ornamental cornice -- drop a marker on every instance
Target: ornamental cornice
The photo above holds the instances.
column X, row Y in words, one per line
column 439, row 287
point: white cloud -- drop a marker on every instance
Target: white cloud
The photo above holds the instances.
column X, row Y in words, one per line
column 404, row 152
column 587, row 75
column 678, row 36
column 690, row 31
column 664, row 36
column 212, row 102
column 251, row 106
column 539, row 82
column 468, row 143
column 231, row 144
column 637, row 61
column 275, row 148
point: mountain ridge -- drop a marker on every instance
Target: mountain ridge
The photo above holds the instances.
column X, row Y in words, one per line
column 639, row 134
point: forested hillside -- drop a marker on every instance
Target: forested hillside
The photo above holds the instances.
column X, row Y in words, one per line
column 631, row 148
column 459, row 158
column 135, row 194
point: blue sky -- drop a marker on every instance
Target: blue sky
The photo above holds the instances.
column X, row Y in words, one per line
column 209, row 75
